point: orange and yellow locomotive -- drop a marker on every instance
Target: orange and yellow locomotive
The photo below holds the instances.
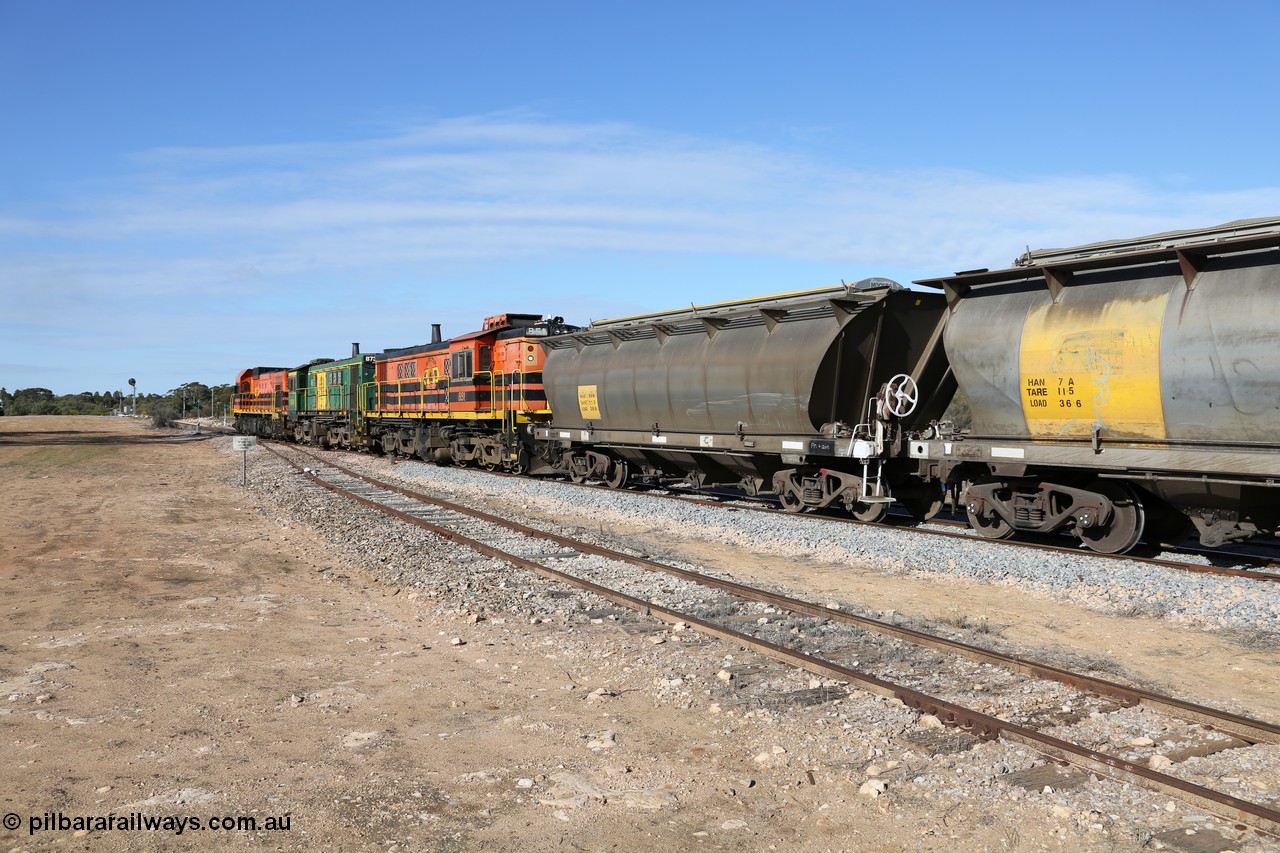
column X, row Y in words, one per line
column 469, row 399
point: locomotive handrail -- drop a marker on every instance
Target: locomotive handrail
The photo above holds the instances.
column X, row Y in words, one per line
column 476, row 378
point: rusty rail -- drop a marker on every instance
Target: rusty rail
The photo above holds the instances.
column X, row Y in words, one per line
column 976, row 723
column 1244, row 728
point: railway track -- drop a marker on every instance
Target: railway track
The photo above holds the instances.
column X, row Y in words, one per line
column 955, row 528
column 1266, row 568
column 844, row 637
column 961, row 531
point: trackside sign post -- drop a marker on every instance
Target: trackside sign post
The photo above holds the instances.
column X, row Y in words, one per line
column 244, row 443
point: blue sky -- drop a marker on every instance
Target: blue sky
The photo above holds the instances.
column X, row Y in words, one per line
column 187, row 189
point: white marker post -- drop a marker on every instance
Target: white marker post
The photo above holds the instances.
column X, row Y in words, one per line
column 244, row 443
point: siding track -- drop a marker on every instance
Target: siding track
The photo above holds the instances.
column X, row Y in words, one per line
column 502, row 539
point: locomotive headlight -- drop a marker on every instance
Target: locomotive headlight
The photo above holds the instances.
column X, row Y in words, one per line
column 529, row 358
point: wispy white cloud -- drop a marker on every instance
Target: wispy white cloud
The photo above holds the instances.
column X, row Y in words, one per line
column 250, row 229
column 473, row 188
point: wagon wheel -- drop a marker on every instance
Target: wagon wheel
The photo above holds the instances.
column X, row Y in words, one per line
column 870, row 513
column 790, row 501
column 577, row 476
column 1169, row 527
column 619, row 474
column 457, row 450
column 1128, row 518
column 922, row 508
column 993, row 527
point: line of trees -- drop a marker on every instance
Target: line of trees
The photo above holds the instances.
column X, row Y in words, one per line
column 189, row 399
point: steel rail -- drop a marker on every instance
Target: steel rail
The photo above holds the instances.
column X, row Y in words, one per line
column 1244, row 728
column 969, row 536
column 976, row 723
column 757, row 504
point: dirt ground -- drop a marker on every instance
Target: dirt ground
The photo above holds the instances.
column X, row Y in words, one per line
column 166, row 651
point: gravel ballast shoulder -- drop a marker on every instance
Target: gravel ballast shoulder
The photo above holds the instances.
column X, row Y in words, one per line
column 859, row 738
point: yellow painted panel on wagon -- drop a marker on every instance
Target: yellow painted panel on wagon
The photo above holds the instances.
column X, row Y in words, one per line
column 588, row 402
column 1087, row 364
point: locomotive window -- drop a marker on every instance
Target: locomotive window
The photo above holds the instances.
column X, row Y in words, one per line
column 462, row 364
column 486, row 359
